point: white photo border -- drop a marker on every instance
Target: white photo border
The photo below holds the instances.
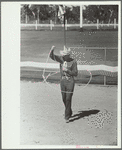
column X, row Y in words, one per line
column 10, row 54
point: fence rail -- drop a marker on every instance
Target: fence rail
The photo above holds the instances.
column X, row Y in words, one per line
column 111, row 48
column 51, row 25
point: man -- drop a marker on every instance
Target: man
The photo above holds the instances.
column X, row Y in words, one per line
column 68, row 69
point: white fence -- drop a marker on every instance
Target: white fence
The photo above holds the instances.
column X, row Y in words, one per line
column 51, row 25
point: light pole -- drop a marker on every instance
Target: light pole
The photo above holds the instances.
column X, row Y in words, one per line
column 64, row 31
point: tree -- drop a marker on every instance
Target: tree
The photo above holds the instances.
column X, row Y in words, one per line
column 105, row 13
column 54, row 12
column 47, row 12
column 42, row 12
column 26, row 12
column 73, row 15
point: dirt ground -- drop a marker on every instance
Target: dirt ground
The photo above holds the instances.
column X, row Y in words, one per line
column 94, row 120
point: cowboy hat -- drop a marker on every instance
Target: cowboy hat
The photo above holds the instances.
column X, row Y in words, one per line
column 66, row 51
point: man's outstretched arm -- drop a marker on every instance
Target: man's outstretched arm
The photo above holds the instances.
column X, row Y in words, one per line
column 55, row 57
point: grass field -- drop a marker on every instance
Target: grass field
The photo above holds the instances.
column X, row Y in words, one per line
column 35, row 45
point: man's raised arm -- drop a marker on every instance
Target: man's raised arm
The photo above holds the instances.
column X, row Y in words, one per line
column 55, row 57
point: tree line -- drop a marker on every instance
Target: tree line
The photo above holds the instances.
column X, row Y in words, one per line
column 43, row 13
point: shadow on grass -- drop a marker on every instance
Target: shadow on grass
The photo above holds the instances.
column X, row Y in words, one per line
column 82, row 114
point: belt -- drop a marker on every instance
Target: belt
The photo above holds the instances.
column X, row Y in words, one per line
column 66, row 77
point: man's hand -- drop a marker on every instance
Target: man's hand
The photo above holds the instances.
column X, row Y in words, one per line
column 65, row 66
column 52, row 48
column 65, row 69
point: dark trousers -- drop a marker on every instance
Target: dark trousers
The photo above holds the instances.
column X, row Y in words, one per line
column 67, row 86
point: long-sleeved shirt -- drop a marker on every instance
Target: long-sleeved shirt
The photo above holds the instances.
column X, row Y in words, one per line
column 71, row 65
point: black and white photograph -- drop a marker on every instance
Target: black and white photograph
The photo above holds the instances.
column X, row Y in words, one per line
column 66, row 57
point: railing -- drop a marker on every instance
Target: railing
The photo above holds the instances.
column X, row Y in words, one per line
column 51, row 25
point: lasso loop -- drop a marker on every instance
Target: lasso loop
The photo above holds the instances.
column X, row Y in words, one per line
column 45, row 78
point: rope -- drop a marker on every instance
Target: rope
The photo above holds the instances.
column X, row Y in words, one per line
column 45, row 78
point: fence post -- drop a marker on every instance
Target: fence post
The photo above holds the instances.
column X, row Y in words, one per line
column 81, row 17
column 50, row 24
column 66, row 25
column 105, row 64
column 102, row 24
column 26, row 19
column 38, row 16
column 36, row 24
column 114, row 23
column 97, row 23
